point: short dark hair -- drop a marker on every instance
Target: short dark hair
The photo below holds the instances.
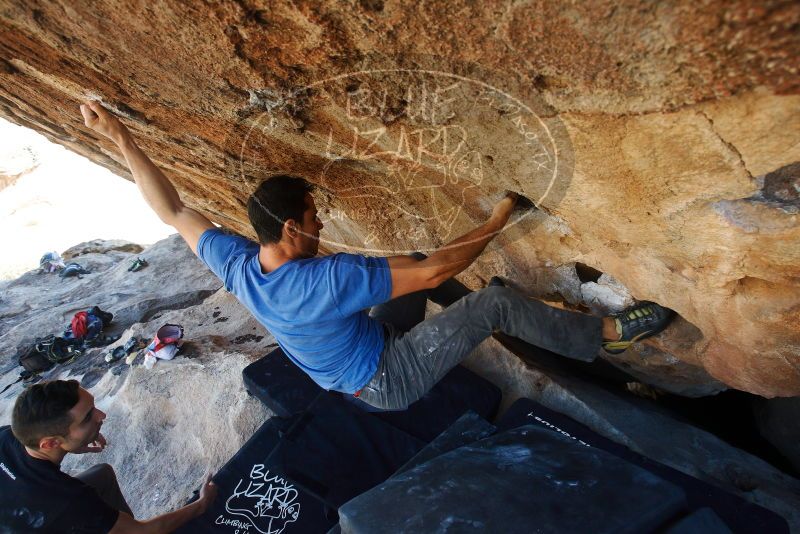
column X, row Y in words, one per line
column 276, row 200
column 42, row 410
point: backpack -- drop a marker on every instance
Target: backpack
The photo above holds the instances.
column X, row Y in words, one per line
column 73, row 269
column 106, row 317
column 78, row 325
column 94, row 327
column 56, row 349
column 43, row 355
column 87, row 325
column 34, row 361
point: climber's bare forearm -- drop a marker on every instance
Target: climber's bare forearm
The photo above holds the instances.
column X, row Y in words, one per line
column 160, row 194
column 459, row 254
column 156, row 188
column 409, row 275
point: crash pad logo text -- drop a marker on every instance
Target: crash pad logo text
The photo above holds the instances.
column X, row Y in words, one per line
column 265, row 501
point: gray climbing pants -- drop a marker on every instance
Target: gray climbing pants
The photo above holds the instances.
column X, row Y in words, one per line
column 418, row 352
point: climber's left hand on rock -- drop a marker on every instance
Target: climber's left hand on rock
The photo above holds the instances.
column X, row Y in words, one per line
column 96, row 117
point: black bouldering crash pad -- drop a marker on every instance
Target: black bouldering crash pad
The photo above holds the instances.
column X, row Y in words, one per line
column 337, row 451
column 255, row 497
column 702, row 521
column 739, row 515
column 294, row 473
column 280, row 384
column 524, row 480
column 468, row 428
column 286, row 390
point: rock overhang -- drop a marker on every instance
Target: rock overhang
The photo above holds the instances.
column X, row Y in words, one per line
column 664, row 119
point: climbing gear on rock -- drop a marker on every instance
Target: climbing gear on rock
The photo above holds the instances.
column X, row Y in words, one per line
column 131, row 357
column 636, row 323
column 43, row 355
column 53, row 349
column 132, row 344
column 105, row 316
column 169, row 334
column 58, row 349
column 78, row 325
column 117, row 354
column 137, row 265
column 51, row 262
column 165, row 344
column 73, row 269
column 84, row 331
column 129, row 349
column 87, row 327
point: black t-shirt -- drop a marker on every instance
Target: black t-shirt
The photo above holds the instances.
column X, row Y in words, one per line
column 36, row 497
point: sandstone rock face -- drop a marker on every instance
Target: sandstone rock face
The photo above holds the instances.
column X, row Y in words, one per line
column 656, row 140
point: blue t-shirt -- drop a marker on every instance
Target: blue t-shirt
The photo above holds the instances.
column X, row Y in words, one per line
column 316, row 308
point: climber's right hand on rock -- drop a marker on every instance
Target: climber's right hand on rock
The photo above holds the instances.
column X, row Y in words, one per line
column 502, row 210
column 96, row 117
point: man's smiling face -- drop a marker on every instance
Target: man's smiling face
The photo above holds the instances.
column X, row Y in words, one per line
column 86, row 422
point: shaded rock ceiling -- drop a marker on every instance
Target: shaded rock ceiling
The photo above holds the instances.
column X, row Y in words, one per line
column 659, row 141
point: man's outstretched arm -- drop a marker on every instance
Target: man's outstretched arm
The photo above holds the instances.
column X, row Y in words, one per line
column 170, row 521
column 409, row 274
column 156, row 189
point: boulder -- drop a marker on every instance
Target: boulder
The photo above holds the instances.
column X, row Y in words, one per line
column 101, row 246
column 649, row 136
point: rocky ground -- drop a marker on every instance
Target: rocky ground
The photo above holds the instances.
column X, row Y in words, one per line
column 167, row 425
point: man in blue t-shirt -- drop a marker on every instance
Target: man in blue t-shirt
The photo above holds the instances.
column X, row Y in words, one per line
column 318, row 308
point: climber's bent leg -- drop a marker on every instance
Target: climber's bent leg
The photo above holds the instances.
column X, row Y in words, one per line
column 413, row 362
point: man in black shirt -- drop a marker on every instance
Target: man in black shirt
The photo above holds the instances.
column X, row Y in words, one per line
column 49, row 421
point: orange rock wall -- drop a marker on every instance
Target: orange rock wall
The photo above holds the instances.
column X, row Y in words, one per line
column 645, row 132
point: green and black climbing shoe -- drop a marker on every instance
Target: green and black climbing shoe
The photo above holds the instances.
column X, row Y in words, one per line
column 137, row 265
column 636, row 323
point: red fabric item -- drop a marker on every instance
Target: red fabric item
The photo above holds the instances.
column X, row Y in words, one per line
column 79, row 325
